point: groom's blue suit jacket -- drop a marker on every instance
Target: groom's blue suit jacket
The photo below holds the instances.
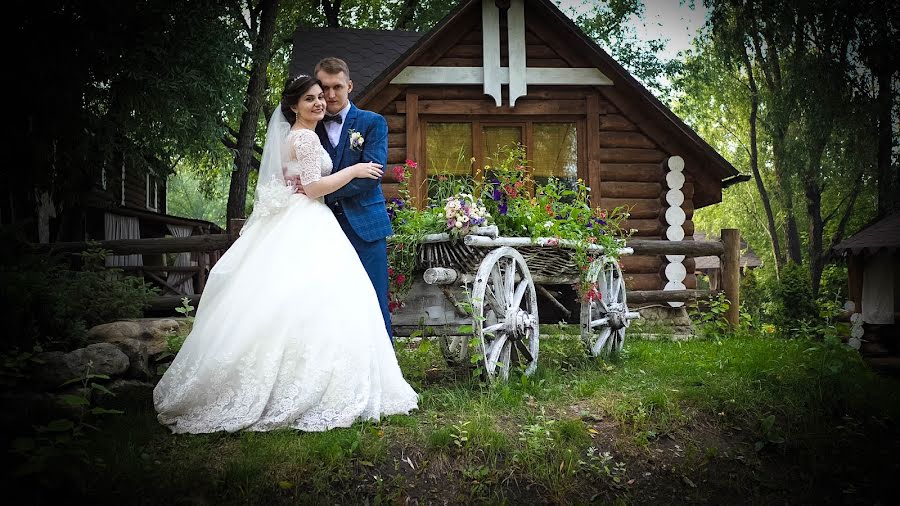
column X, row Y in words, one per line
column 361, row 199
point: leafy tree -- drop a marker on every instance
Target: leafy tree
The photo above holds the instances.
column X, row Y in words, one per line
column 142, row 83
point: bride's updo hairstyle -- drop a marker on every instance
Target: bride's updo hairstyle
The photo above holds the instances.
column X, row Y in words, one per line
column 294, row 88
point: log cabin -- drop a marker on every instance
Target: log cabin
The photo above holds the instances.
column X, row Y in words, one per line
column 496, row 72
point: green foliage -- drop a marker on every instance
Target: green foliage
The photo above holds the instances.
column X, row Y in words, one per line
column 45, row 300
column 791, row 304
column 711, row 320
column 188, row 195
column 143, row 84
column 63, row 442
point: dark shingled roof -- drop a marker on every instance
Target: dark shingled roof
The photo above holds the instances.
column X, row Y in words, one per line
column 367, row 52
column 884, row 233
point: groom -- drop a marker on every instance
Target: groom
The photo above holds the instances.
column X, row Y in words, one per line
column 352, row 135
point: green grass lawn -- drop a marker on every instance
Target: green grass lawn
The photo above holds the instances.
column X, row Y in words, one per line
column 746, row 419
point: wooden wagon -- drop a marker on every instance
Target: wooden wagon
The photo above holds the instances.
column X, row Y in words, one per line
column 482, row 291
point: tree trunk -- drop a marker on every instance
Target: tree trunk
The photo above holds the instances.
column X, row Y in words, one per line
column 754, row 167
column 888, row 183
column 332, row 12
column 262, row 54
column 795, row 248
column 406, row 14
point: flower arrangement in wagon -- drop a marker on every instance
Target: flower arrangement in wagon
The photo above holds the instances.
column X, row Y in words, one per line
column 504, row 194
column 463, row 213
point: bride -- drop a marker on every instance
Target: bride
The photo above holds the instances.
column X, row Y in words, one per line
column 288, row 332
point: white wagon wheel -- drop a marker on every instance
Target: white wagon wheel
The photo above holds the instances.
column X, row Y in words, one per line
column 505, row 314
column 603, row 321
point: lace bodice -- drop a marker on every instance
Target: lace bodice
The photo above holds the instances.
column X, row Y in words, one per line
column 306, row 157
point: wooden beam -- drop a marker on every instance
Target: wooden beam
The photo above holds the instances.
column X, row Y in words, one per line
column 518, row 81
column 529, row 107
column 647, row 296
column 563, row 76
column 592, row 123
column 687, row 248
column 490, row 44
column 731, row 274
column 417, row 180
column 151, row 246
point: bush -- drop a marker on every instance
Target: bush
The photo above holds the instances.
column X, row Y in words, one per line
column 43, row 300
column 791, row 304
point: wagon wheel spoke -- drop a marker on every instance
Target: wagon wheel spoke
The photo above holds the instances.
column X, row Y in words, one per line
column 498, row 298
column 496, row 286
column 509, row 281
column 493, row 353
column 520, row 292
column 491, row 329
column 522, row 349
column 505, row 360
column 605, row 332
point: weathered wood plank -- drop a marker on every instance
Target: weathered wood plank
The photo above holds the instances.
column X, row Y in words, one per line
column 638, row 208
column 396, row 155
column 638, row 172
column 639, row 281
column 616, row 122
column 641, row 263
column 150, row 246
column 629, row 189
column 631, row 155
column 609, row 139
column 395, row 123
column 688, row 248
column 396, row 139
column 648, row 296
column 523, row 107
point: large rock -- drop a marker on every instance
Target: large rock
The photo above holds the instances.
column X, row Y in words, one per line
column 138, row 358
column 154, row 332
column 51, row 371
column 99, row 358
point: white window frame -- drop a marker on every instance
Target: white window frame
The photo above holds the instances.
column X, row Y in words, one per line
column 123, row 183
column 152, row 203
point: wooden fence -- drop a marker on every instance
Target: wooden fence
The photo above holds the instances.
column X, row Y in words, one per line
column 727, row 249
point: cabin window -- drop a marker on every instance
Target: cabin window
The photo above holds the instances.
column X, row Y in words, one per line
column 551, row 149
column 554, row 152
column 448, row 152
column 152, row 192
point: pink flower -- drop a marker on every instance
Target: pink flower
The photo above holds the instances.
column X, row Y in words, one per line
column 390, row 272
column 553, row 241
column 401, row 279
column 602, row 215
column 412, row 164
column 399, row 173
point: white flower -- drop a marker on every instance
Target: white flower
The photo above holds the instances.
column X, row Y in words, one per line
column 548, row 224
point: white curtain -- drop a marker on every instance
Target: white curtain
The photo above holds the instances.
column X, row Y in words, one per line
column 878, row 289
column 122, row 227
column 184, row 281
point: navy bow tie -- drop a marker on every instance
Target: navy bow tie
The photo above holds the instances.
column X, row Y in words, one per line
column 336, row 118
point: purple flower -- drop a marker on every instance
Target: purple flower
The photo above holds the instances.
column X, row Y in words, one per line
column 497, row 194
column 502, row 208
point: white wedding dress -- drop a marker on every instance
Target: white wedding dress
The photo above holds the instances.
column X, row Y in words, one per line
column 288, row 332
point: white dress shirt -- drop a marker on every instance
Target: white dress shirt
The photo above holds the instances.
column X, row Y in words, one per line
column 333, row 129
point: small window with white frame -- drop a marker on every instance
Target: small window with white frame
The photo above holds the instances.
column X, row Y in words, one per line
column 152, row 192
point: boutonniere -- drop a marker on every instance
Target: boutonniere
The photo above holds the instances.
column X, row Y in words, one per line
column 356, row 139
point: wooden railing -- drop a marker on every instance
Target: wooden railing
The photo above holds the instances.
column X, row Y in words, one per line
column 728, row 250
column 214, row 244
